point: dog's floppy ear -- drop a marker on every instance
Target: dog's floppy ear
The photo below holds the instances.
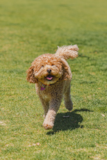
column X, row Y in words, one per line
column 66, row 70
column 30, row 75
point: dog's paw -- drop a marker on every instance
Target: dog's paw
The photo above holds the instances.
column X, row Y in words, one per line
column 69, row 105
column 48, row 125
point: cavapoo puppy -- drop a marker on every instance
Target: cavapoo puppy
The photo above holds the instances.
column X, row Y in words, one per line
column 52, row 76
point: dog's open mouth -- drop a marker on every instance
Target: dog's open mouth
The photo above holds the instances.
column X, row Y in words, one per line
column 49, row 77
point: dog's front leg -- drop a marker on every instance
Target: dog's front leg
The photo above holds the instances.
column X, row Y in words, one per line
column 54, row 105
column 45, row 105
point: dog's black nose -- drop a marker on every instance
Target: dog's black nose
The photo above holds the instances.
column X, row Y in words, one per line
column 49, row 70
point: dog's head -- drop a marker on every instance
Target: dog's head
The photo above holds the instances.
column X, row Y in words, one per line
column 48, row 69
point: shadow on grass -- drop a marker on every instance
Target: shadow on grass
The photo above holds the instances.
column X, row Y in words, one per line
column 68, row 121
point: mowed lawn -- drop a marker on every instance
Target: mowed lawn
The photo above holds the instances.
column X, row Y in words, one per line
column 29, row 28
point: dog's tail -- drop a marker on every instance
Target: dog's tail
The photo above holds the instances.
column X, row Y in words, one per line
column 67, row 52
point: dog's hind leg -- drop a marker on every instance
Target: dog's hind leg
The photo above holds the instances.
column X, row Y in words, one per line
column 67, row 100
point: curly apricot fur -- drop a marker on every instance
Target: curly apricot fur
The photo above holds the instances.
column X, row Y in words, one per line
column 52, row 76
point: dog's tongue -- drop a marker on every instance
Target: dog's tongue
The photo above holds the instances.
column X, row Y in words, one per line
column 49, row 78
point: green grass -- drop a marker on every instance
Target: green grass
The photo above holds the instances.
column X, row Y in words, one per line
column 31, row 28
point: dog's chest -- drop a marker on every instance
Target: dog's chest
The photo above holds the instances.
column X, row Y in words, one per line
column 45, row 96
column 44, row 92
column 48, row 92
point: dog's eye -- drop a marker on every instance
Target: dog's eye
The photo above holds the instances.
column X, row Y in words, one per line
column 53, row 65
column 42, row 66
